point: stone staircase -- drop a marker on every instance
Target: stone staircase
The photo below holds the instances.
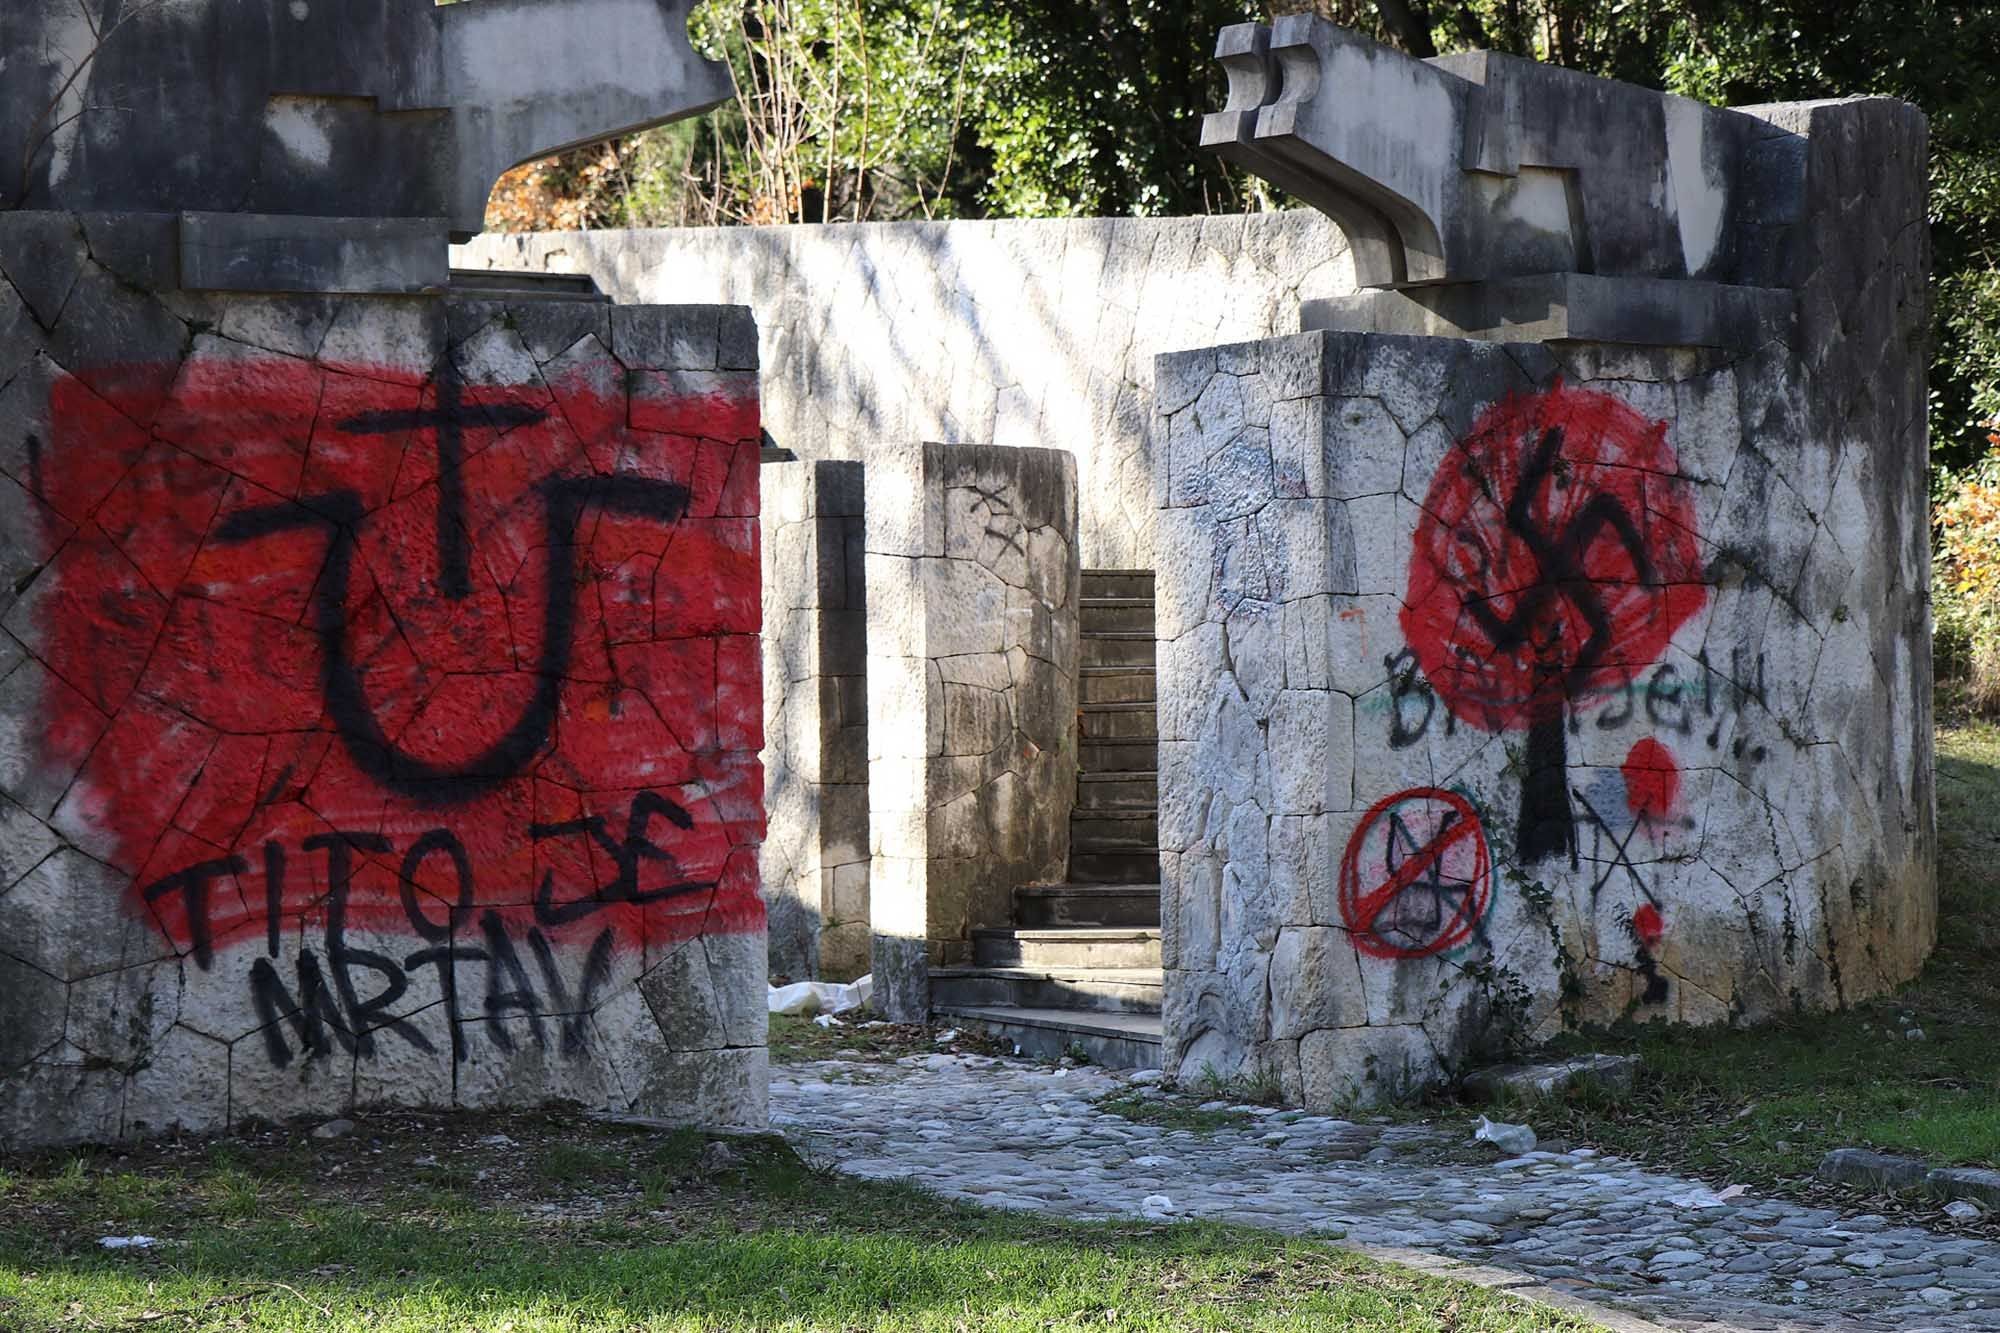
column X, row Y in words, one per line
column 1080, row 966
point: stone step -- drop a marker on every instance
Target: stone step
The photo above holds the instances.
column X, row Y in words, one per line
column 1118, row 583
column 1073, row 946
column 1127, row 830
column 1122, row 990
column 1115, row 1041
column 1120, row 867
column 1120, row 650
column 498, row 285
column 1117, row 791
column 1115, row 685
column 1042, row 906
column 1119, row 722
column 1115, row 615
column 1118, row 756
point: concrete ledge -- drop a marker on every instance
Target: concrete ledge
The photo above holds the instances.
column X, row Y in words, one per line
column 1574, row 307
column 251, row 252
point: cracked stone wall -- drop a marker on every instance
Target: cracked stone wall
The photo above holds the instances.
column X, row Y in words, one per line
column 1015, row 333
column 972, row 649
column 815, row 858
column 379, row 699
column 1509, row 687
column 1021, row 333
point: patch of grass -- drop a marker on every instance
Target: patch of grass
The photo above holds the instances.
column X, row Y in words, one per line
column 772, row 1245
column 574, row 1164
column 1172, row 1112
column 1762, row 1106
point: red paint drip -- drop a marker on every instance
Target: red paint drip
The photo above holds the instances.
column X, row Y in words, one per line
column 1652, row 780
column 1649, row 926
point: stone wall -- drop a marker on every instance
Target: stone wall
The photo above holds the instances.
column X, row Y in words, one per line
column 1015, row 333
column 972, row 655
column 1021, row 333
column 815, row 858
column 379, row 699
column 1510, row 686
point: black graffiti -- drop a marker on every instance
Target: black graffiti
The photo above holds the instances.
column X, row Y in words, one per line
column 1621, row 859
column 193, row 884
column 340, row 514
column 1559, row 562
column 343, row 995
column 1662, row 699
column 346, row 696
column 1621, row 854
column 448, row 423
column 1406, row 682
column 1547, row 822
column 1670, row 702
column 626, row 853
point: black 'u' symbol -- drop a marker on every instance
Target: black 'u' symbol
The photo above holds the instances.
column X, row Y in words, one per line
column 564, row 499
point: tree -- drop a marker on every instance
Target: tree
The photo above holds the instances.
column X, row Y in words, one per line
column 853, row 110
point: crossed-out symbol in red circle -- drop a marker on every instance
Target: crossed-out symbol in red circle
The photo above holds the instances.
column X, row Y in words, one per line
column 1428, row 875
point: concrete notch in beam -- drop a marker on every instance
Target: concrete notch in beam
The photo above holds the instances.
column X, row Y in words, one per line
column 1482, row 166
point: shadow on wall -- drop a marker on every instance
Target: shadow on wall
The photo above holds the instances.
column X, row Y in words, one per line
column 1024, row 333
column 815, row 864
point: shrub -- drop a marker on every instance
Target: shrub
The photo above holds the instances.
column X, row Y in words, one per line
column 1965, row 583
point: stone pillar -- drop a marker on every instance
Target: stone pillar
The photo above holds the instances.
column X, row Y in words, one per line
column 380, row 699
column 972, row 690
column 1508, row 685
column 815, row 855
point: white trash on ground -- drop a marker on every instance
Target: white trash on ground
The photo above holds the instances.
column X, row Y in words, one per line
column 828, row 1021
column 1512, row 1139
column 821, row 997
column 128, row 1242
column 1156, row 1207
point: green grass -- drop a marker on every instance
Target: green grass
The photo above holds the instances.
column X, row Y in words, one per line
column 1172, row 1112
column 657, row 1241
column 1762, row 1106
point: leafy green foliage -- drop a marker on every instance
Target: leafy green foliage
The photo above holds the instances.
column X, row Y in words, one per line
column 884, row 110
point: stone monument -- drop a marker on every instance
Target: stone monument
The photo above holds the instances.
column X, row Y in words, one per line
column 1544, row 633
column 380, row 691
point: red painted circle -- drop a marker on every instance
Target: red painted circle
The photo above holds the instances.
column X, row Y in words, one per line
column 1398, row 908
column 1652, row 779
column 1555, row 556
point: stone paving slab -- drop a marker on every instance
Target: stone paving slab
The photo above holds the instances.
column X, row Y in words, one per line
column 1575, row 1226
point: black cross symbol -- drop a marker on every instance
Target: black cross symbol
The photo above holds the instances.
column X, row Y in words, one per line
column 449, row 420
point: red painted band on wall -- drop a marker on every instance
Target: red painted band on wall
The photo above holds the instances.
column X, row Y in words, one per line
column 302, row 622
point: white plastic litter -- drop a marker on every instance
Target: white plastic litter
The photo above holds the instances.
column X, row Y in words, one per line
column 948, row 1035
column 828, row 1021
column 128, row 1242
column 1698, row 1199
column 821, row 997
column 1962, row 1209
column 1156, row 1205
column 1511, row 1139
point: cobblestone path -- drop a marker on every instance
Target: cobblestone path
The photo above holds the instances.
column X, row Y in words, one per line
column 1011, row 1135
